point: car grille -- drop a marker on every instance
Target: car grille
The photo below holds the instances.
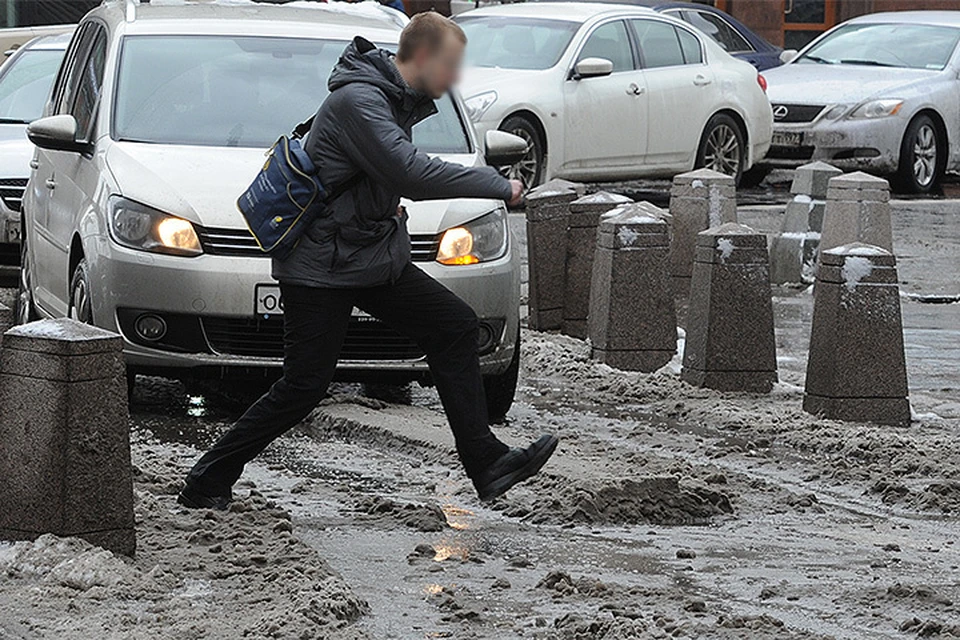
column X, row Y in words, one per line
column 11, row 192
column 240, row 242
column 796, row 112
column 367, row 339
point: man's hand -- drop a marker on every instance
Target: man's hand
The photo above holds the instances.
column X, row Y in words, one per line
column 517, row 195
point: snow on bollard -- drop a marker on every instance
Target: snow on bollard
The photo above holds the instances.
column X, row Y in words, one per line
column 632, row 320
column 581, row 246
column 65, row 461
column 548, row 211
column 793, row 253
column 858, row 210
column 7, row 320
column 856, row 369
column 698, row 200
column 730, row 342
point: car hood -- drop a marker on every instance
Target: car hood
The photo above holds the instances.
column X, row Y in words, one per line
column 202, row 184
column 476, row 80
column 836, row 84
column 15, row 151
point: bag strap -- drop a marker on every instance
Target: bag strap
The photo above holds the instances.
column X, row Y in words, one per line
column 303, row 129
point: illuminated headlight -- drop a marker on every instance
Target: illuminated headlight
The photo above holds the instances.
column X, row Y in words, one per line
column 836, row 111
column 877, row 109
column 140, row 227
column 481, row 240
column 478, row 104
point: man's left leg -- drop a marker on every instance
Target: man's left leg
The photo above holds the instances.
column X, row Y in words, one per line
column 447, row 329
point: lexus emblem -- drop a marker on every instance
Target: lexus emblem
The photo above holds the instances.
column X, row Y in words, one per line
column 780, row 112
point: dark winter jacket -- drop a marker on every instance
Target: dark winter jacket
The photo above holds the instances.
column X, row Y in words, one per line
column 363, row 128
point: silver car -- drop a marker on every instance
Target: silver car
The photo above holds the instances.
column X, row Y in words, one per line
column 879, row 93
column 158, row 120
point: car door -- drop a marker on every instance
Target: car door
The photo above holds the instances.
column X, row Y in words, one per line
column 604, row 117
column 681, row 89
column 71, row 173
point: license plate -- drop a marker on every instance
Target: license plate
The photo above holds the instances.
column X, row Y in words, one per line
column 787, row 139
column 13, row 231
column 268, row 302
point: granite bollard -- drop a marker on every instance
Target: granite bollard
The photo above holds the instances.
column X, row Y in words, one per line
column 632, row 320
column 730, row 342
column 698, row 200
column 858, row 210
column 793, row 253
column 7, row 319
column 856, row 369
column 547, row 214
column 65, row 460
column 581, row 246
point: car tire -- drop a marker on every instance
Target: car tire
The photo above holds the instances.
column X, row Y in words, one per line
column 530, row 170
column 25, row 310
column 922, row 157
column 501, row 388
column 80, row 308
column 722, row 147
column 753, row 177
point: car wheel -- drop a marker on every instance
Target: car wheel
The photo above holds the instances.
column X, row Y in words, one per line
column 722, row 147
column 529, row 171
column 80, row 308
column 753, row 177
column 501, row 388
column 922, row 157
column 25, row 311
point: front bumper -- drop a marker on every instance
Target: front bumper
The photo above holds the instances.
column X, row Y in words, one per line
column 207, row 303
column 871, row 145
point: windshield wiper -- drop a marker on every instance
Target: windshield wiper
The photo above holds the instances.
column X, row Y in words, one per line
column 818, row 59
column 867, row 63
column 13, row 121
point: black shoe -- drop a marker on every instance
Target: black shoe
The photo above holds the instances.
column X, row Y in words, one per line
column 193, row 499
column 514, row 466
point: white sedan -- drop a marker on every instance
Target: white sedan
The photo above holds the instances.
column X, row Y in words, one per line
column 605, row 92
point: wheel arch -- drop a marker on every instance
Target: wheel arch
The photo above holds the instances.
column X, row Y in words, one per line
column 941, row 124
column 76, row 255
column 535, row 120
column 741, row 122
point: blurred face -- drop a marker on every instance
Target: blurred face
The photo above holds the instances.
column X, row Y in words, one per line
column 439, row 70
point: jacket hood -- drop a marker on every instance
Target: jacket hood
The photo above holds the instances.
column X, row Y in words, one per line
column 362, row 61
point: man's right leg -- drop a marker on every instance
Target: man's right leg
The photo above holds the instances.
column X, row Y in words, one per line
column 314, row 326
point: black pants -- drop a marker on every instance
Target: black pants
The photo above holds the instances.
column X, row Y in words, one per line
column 314, row 326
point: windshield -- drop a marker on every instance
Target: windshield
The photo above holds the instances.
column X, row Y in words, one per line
column 25, row 85
column 909, row 46
column 239, row 92
column 516, row 43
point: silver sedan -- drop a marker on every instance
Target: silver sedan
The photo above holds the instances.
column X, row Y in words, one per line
column 880, row 93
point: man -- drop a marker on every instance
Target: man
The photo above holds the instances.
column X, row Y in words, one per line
column 359, row 255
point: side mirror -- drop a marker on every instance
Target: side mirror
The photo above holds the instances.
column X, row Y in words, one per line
column 504, row 149
column 787, row 55
column 592, row 68
column 58, row 133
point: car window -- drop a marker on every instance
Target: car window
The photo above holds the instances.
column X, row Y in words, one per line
column 609, row 41
column 25, row 84
column 242, row 91
column 659, row 44
column 89, row 88
column 69, row 74
column 511, row 43
column 690, row 45
column 910, row 46
column 719, row 29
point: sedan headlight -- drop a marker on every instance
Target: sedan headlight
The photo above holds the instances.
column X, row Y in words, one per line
column 478, row 104
column 480, row 240
column 140, row 227
column 877, row 109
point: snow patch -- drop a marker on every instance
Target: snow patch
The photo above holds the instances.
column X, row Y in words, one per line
column 627, row 236
column 854, row 270
column 726, row 247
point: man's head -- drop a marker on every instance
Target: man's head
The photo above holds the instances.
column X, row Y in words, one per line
column 430, row 53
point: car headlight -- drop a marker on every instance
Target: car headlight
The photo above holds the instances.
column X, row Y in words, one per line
column 877, row 109
column 141, row 227
column 478, row 104
column 479, row 240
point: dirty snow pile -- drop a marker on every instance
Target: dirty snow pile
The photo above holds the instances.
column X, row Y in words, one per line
column 197, row 574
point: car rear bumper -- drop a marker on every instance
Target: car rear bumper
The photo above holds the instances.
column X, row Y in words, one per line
column 207, row 304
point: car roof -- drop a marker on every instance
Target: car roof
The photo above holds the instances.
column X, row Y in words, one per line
column 571, row 11
column 940, row 18
column 339, row 20
column 55, row 42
